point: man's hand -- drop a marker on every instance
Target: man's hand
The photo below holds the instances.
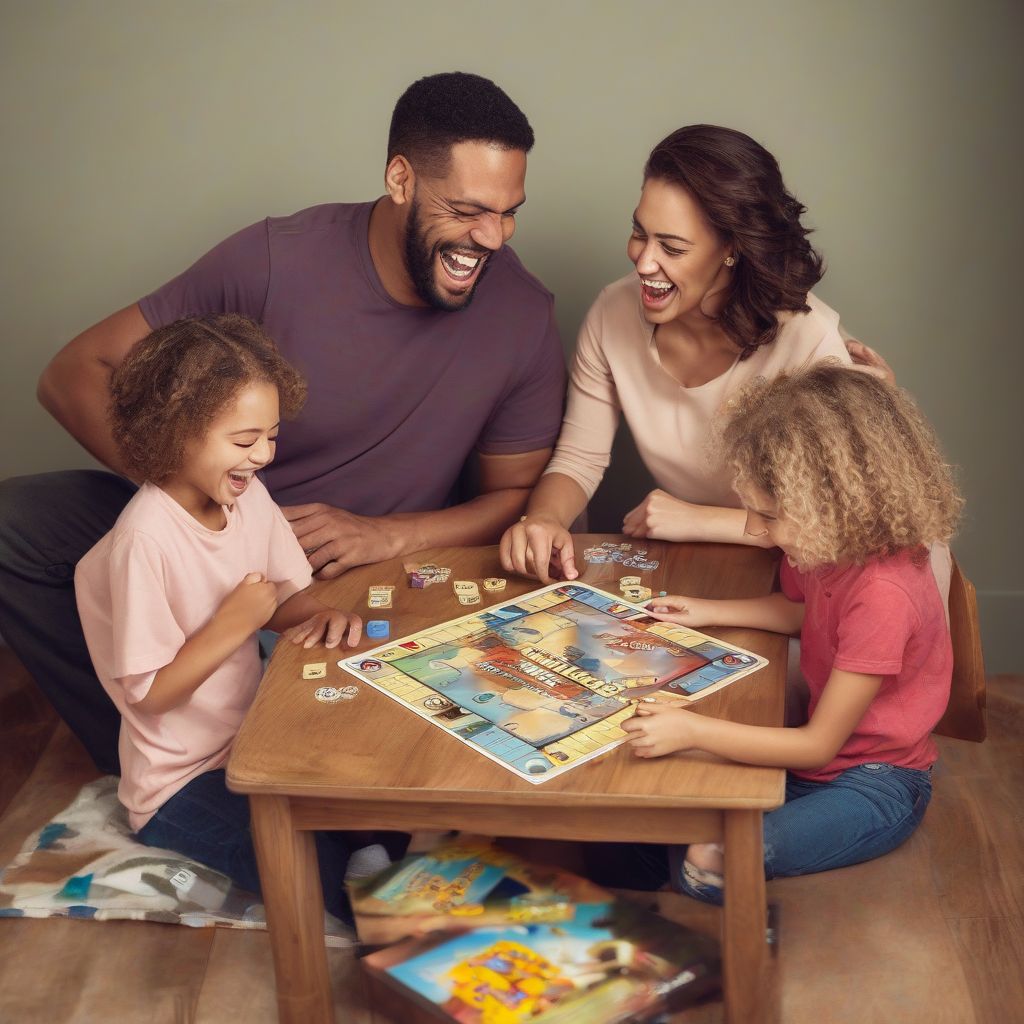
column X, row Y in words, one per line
column 538, row 546
column 867, row 360
column 335, row 540
column 658, row 729
column 249, row 606
column 328, row 626
column 687, row 611
column 661, row 517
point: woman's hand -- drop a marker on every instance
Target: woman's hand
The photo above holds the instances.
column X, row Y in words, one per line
column 328, row 626
column 867, row 360
column 662, row 517
column 658, row 729
column 687, row 611
column 538, row 546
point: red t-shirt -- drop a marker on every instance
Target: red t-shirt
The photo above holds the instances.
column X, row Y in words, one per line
column 884, row 618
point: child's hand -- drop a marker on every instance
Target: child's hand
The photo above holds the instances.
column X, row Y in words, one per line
column 687, row 611
column 328, row 626
column 250, row 605
column 658, row 729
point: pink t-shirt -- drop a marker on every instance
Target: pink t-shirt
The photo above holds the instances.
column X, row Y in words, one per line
column 142, row 591
column 884, row 618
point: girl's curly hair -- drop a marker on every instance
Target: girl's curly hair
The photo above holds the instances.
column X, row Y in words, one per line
column 177, row 380
column 738, row 185
column 850, row 460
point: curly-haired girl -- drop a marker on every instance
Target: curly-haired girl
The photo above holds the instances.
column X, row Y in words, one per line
column 200, row 559
column 844, row 474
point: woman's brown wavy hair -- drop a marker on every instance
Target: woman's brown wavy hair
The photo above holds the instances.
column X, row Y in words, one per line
column 850, row 460
column 173, row 384
column 738, row 185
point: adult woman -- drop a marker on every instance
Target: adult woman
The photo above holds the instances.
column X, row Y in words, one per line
column 721, row 294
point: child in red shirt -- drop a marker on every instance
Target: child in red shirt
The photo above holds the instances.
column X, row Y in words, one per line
column 845, row 475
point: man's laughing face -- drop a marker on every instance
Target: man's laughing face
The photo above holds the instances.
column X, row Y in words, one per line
column 457, row 221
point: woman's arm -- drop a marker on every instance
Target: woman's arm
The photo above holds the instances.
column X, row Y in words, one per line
column 661, row 517
column 658, row 729
column 540, row 544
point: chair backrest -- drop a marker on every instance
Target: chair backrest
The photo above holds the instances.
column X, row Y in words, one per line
column 965, row 714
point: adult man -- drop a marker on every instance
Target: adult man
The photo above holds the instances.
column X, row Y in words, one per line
column 425, row 345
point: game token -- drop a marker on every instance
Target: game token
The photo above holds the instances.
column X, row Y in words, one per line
column 629, row 581
column 378, row 629
column 315, row 670
column 465, row 587
column 328, row 695
column 425, row 575
column 469, row 598
column 348, row 691
column 637, row 562
column 494, row 584
column 379, row 601
column 636, row 594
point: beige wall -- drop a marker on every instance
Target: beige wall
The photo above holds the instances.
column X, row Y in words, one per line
column 135, row 135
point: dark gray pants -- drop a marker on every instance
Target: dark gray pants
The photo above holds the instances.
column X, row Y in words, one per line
column 47, row 523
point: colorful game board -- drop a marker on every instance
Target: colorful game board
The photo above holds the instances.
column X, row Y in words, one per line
column 542, row 682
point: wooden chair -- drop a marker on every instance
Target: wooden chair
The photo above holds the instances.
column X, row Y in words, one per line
column 965, row 714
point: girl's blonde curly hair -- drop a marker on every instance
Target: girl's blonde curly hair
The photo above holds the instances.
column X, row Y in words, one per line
column 850, row 460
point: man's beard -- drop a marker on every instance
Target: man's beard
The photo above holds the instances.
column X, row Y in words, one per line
column 419, row 263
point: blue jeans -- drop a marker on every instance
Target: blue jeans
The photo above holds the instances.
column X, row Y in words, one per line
column 207, row 822
column 864, row 812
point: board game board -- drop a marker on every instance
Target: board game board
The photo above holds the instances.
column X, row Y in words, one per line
column 541, row 683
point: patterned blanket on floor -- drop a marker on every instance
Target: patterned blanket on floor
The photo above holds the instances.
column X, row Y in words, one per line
column 86, row 864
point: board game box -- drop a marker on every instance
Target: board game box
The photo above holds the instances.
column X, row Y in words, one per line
column 541, row 683
column 464, row 881
column 613, row 962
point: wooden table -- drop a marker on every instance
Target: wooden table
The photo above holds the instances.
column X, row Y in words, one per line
column 368, row 764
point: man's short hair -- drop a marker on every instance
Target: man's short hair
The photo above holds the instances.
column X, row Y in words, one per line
column 438, row 111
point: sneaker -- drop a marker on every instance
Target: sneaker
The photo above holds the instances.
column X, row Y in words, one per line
column 696, row 883
column 367, row 861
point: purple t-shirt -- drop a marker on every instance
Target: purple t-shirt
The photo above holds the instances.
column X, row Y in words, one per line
column 399, row 397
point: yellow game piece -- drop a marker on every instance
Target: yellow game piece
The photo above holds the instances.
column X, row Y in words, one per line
column 465, row 587
column 629, row 581
column 469, row 598
column 494, row 584
column 315, row 670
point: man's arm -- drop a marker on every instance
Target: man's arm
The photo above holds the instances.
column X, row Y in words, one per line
column 75, row 386
column 335, row 540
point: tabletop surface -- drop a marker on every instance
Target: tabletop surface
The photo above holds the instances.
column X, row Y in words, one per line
column 371, row 748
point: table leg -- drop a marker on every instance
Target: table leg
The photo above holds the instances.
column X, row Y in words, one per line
column 290, row 877
column 748, row 998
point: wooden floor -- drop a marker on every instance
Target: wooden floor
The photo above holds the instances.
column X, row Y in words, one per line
column 934, row 932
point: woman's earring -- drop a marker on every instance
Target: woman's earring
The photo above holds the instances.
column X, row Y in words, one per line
column 730, row 261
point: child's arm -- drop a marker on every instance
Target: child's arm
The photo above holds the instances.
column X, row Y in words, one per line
column 658, row 729
column 240, row 614
column 775, row 612
column 303, row 619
